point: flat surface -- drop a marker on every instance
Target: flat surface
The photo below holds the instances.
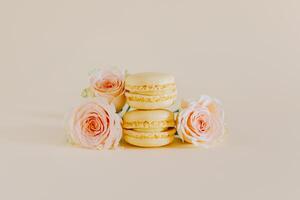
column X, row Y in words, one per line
column 245, row 53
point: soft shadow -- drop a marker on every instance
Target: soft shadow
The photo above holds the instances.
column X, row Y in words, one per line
column 176, row 144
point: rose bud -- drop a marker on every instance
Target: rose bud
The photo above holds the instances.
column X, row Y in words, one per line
column 110, row 84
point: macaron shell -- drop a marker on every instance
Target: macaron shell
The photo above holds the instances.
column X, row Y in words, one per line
column 148, row 119
column 149, row 78
column 119, row 102
column 149, row 139
column 150, row 102
column 148, row 115
column 148, row 142
column 154, row 92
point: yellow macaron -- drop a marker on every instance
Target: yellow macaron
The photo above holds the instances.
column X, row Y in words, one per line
column 149, row 128
column 150, row 90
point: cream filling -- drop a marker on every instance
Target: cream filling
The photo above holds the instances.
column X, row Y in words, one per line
column 150, row 135
column 149, row 99
column 150, row 130
column 154, row 87
column 149, row 125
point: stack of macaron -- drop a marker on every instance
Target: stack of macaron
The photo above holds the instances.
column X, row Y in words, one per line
column 150, row 124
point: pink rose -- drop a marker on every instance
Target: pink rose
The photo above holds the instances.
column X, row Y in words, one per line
column 110, row 84
column 95, row 124
column 201, row 122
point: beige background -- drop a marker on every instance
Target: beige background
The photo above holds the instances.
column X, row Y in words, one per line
column 246, row 53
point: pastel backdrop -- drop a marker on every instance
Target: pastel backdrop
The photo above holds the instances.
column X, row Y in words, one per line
column 246, row 53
